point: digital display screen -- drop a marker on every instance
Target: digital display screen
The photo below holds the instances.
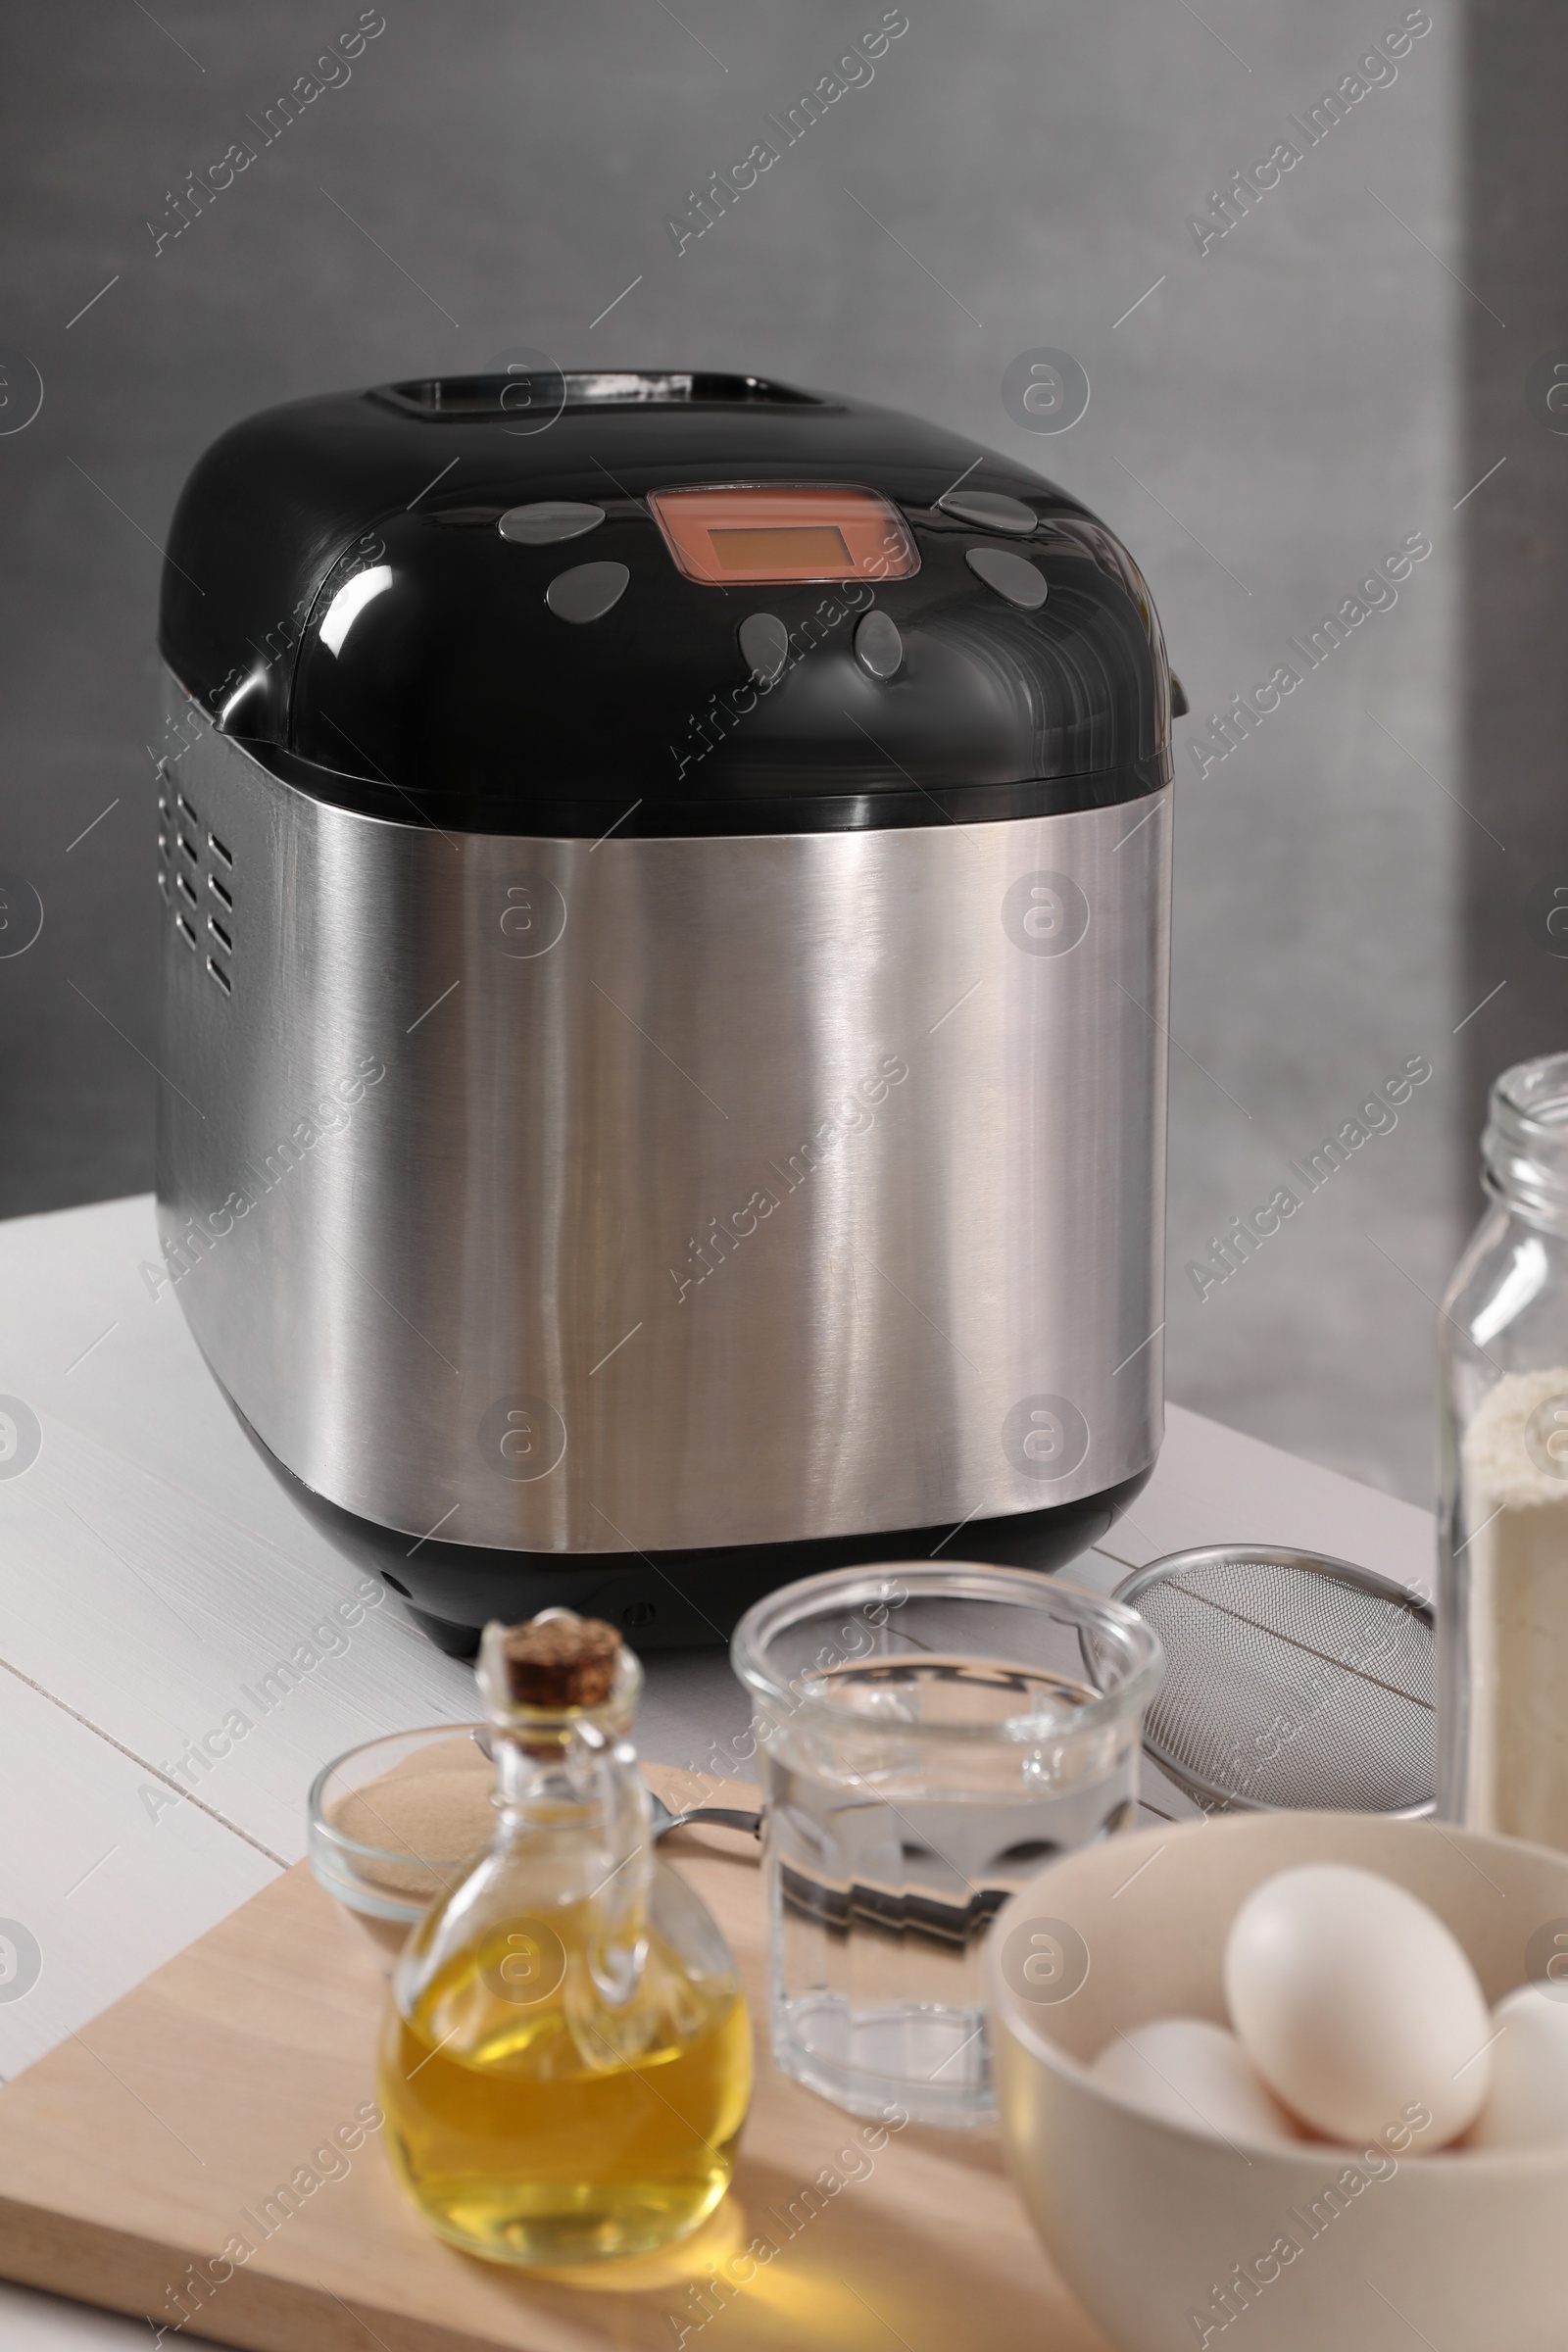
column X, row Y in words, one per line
column 747, row 534
column 784, row 549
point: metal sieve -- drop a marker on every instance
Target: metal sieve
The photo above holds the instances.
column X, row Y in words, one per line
column 1292, row 1681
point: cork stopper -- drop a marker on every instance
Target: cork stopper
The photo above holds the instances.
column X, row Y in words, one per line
column 557, row 1660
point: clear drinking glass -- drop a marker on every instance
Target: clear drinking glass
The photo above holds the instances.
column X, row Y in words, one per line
column 931, row 1736
column 1503, row 1350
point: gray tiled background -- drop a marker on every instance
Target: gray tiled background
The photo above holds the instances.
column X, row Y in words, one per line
column 1281, row 411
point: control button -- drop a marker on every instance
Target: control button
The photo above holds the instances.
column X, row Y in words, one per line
column 549, row 520
column 764, row 646
column 1011, row 576
column 1179, row 705
column 589, row 590
column 878, row 647
column 989, row 510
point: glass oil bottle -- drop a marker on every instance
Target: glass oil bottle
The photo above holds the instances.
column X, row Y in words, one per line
column 567, row 2060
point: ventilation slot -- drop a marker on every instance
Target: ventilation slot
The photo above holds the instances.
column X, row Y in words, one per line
column 211, row 914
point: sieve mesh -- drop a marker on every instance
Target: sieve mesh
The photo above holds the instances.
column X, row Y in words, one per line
column 1291, row 1682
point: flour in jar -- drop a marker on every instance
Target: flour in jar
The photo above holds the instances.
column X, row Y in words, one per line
column 1516, row 1507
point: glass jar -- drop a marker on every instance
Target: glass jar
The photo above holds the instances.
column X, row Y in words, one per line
column 567, row 2058
column 931, row 1736
column 1502, row 1346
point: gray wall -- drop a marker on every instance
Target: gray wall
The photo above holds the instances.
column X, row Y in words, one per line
column 1515, row 79
column 1281, row 411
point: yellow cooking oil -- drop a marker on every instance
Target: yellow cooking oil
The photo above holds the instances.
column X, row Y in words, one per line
column 566, row 2059
column 557, row 2131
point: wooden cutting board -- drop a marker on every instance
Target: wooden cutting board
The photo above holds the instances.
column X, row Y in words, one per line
column 135, row 2153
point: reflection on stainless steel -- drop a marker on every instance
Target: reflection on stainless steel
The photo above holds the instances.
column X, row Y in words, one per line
column 716, row 1190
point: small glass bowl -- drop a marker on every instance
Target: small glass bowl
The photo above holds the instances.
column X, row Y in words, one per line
column 396, row 1822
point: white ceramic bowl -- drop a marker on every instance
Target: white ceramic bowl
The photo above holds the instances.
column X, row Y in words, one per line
column 1147, row 2218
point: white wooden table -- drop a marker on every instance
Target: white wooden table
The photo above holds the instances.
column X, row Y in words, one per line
column 151, row 1573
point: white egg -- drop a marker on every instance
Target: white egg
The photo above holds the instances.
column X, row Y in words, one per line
column 1192, row 2073
column 1529, row 2103
column 1358, row 2008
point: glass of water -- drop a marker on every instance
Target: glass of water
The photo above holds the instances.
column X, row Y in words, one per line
column 931, row 1738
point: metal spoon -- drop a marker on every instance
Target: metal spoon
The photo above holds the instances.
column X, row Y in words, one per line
column 723, row 1817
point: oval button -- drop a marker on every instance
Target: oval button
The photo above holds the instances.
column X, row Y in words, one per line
column 588, row 591
column 990, row 510
column 1012, row 576
column 546, row 520
column 764, row 645
column 878, row 647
